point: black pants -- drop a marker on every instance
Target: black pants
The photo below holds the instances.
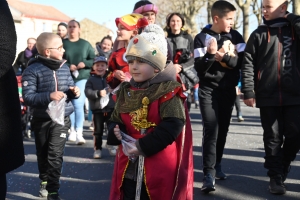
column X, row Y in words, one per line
column 216, row 107
column 129, row 187
column 50, row 140
column 99, row 120
column 238, row 106
column 281, row 136
column 3, row 186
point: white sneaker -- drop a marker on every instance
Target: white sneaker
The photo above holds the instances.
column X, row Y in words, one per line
column 97, row 153
column 112, row 150
column 72, row 136
column 79, row 138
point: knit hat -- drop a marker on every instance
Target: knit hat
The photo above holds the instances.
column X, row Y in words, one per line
column 144, row 6
column 150, row 47
column 132, row 21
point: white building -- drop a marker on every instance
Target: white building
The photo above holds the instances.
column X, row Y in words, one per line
column 33, row 19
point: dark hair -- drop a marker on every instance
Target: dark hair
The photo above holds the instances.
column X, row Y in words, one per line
column 141, row 3
column 73, row 20
column 109, row 38
column 62, row 24
column 221, row 8
column 171, row 15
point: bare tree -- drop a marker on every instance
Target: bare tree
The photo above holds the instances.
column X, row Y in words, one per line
column 296, row 7
column 245, row 7
column 257, row 10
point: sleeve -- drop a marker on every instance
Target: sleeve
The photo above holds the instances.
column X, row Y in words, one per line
column 248, row 65
column 203, row 59
column 90, row 93
column 29, row 90
column 90, row 57
column 166, row 132
column 190, row 61
column 236, row 61
column 71, row 83
column 8, row 39
column 295, row 21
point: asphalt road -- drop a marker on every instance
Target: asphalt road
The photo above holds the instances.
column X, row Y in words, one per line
column 85, row 178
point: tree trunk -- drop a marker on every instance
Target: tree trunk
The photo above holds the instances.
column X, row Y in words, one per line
column 209, row 5
column 296, row 7
column 246, row 26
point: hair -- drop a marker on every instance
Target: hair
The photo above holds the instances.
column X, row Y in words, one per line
column 108, row 37
column 73, row 20
column 169, row 17
column 31, row 38
column 221, row 8
column 44, row 41
column 62, row 24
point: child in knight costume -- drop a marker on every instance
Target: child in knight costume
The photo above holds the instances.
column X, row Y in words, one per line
column 150, row 108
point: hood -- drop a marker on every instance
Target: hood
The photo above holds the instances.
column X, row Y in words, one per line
column 48, row 62
column 207, row 30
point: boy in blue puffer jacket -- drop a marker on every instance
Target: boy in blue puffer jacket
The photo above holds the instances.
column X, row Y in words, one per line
column 48, row 79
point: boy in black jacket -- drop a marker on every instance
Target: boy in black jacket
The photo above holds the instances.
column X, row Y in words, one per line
column 96, row 88
column 270, row 80
column 218, row 54
column 48, row 79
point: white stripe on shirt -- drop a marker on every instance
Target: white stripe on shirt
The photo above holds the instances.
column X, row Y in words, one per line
column 200, row 52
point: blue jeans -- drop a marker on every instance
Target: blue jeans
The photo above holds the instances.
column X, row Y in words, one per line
column 196, row 96
column 77, row 117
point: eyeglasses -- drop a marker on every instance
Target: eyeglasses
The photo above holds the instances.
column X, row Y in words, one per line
column 58, row 48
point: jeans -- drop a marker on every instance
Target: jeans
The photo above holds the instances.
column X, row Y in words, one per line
column 196, row 95
column 77, row 117
column 99, row 120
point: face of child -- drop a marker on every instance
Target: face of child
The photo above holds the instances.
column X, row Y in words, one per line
column 150, row 16
column 273, row 9
column 175, row 23
column 62, row 31
column 56, row 50
column 123, row 34
column 141, row 71
column 106, row 45
column 226, row 22
column 100, row 68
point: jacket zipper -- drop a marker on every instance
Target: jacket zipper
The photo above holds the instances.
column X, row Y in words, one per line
column 278, row 67
column 55, row 79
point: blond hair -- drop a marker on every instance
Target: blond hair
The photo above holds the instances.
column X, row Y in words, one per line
column 44, row 41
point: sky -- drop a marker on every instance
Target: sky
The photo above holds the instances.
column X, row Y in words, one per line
column 100, row 11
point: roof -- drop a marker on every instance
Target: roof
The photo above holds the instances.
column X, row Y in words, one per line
column 32, row 10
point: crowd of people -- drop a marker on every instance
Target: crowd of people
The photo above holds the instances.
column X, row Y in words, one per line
column 141, row 87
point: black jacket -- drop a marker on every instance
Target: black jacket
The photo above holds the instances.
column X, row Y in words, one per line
column 210, row 72
column 11, row 141
column 92, row 88
column 38, row 82
column 22, row 61
column 271, row 66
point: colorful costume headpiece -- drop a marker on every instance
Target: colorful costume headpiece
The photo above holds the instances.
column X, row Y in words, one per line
column 132, row 21
column 144, row 6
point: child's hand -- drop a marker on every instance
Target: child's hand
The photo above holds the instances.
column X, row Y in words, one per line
column 178, row 68
column 119, row 74
column 80, row 65
column 102, row 93
column 73, row 68
column 213, row 47
column 75, row 90
column 56, row 96
column 117, row 132
column 219, row 56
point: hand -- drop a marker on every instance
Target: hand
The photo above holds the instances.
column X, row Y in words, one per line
column 102, row 93
column 219, row 56
column 250, row 102
column 213, row 47
column 75, row 90
column 73, row 68
column 117, row 132
column 178, row 68
column 80, row 65
column 134, row 152
column 119, row 74
column 56, row 96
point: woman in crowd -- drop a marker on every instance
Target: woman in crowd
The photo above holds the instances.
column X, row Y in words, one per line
column 79, row 55
column 104, row 48
column 62, row 30
column 182, row 46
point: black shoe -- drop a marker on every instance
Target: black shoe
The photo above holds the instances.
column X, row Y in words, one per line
column 286, row 170
column 43, row 192
column 276, row 185
column 208, row 184
column 53, row 196
column 219, row 173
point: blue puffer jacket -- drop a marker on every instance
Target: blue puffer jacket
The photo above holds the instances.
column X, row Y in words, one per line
column 38, row 81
